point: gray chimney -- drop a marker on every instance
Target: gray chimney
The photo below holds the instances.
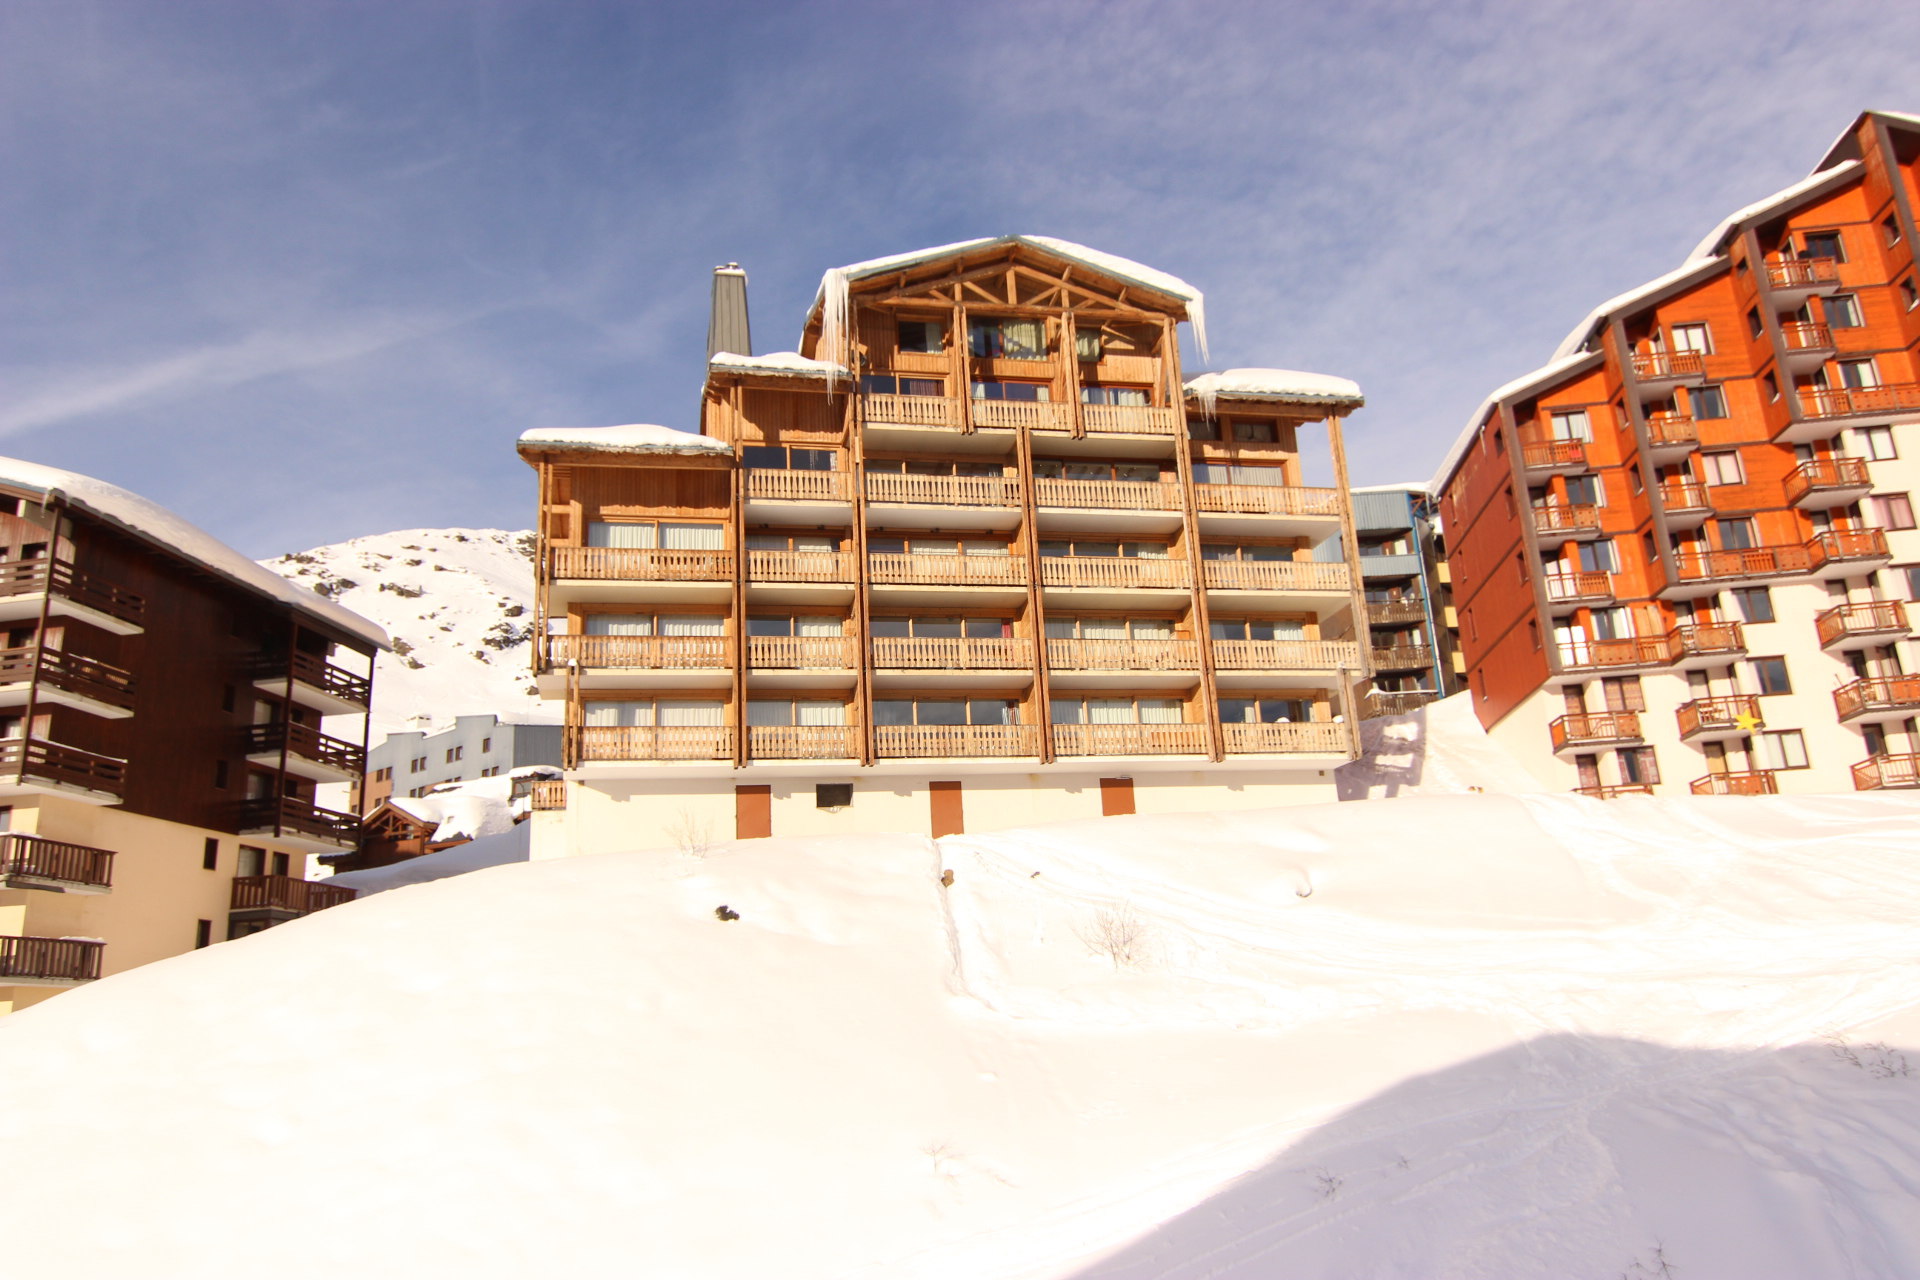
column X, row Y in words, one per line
column 727, row 327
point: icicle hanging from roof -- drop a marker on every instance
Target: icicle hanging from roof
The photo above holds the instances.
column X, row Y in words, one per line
column 836, row 346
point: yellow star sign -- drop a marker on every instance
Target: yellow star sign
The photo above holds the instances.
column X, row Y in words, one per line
column 1748, row 721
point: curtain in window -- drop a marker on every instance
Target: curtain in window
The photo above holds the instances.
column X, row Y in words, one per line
column 820, row 713
column 618, row 715
column 698, row 537
column 1103, row 629
column 1152, row 629
column 1110, row 711
column 688, row 711
column 1159, row 711
column 1289, row 631
column 691, row 625
column 613, row 624
column 1260, row 476
column 936, row 546
column 987, row 549
column 1148, row 551
column 1060, row 629
column 815, row 542
column 611, row 533
column 1024, row 339
column 1069, row 711
column 763, row 712
column 816, row 626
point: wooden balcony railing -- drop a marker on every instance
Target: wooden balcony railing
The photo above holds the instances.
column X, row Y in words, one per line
column 1737, row 712
column 1895, row 694
column 1751, row 782
column 316, row 672
column 1391, row 613
column 642, row 653
column 1707, row 639
column 1034, row 415
column 1112, row 571
column 1581, row 654
column 308, row 743
column 1806, row 335
column 1751, row 562
column 1115, row 495
column 1402, row 657
column 1129, row 739
column 1396, row 702
column 31, row 577
column 1264, row 499
column 800, row 742
column 1286, row 655
column 1566, row 518
column 955, row 653
column 1286, row 739
column 1667, row 431
column 1275, row 575
column 945, row 491
column 1822, row 475
column 957, row 571
column 1847, row 546
column 653, row 742
column 934, row 741
column 800, row 566
column 36, row 759
column 547, row 794
column 1878, row 618
column 1684, row 495
column 642, row 564
column 50, row 959
column 1803, row 273
column 291, row 815
column 85, row 677
column 914, row 411
column 792, row 652
column 1666, row 366
column 1880, row 772
column 798, row 486
column 285, row 893
column 1124, row 655
column 1840, row 402
column 1584, row 585
column 1609, row 792
column 1592, row 727
column 1553, row 455
column 37, row 858
column 1129, row 419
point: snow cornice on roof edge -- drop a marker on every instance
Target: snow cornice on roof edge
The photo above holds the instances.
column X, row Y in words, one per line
column 778, row 364
column 633, row 438
column 1578, row 362
column 1288, row 386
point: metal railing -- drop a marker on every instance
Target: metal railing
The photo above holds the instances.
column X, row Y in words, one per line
column 1587, row 584
column 1684, row 495
column 50, row 959
column 1562, row 517
column 1878, row 772
column 1751, row 782
column 1806, row 335
column 1839, row 402
column 1583, row 727
column 1749, row 562
column 1896, row 694
column 1845, row 546
column 1580, row 653
column 38, row 858
column 1803, row 273
column 1661, row 366
column 1865, row 618
column 1707, row 639
column 1672, row 431
column 1548, row 455
column 1836, row 472
column 1738, row 712
column 1608, row 792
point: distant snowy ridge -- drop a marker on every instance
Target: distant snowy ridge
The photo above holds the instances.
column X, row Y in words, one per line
column 458, row 604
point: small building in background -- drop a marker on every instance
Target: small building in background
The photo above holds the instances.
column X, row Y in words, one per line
column 414, row 764
column 1403, row 571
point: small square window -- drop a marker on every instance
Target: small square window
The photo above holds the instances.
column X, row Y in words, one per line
column 1890, row 228
column 1694, row 338
column 1823, row 244
column 1910, row 293
column 1707, row 402
column 1755, row 603
column 1770, row 675
column 1782, row 749
column 927, row 337
column 1843, row 311
column 486, row 745
column 1723, row 468
column 832, row 795
column 1877, row 443
column 1755, row 325
column 1893, row 511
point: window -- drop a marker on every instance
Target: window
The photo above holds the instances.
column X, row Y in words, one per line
column 928, row 337
column 1256, row 629
column 1076, row 628
column 1029, row 392
column 646, row 534
column 1692, row 337
column 1890, row 228
column 1009, row 339
column 780, row 458
column 888, row 385
column 832, row 795
column 1755, row 603
column 946, row 711
column 416, row 764
column 1256, row 432
column 1599, row 556
column 1086, row 344
column 1858, row 375
column 799, row 625
column 220, row 778
column 1707, row 401
column 1772, row 384
column 1118, row 710
column 1755, row 325
column 1238, row 551
column 1085, row 547
column 1094, row 393
column 1055, row 469
column 455, row 753
column 823, row 542
column 282, row 864
column 1782, row 749
column 1277, row 710
column 1571, row 424
column 1770, row 675
column 1639, row 767
column 1909, row 574
column 1736, row 535
column 1909, row 293
column 794, row 711
column 486, row 745
column 210, row 854
column 1623, row 693
column 202, row 934
column 1723, row 468
column 1823, row 244
column 933, row 545
column 1202, row 429
column 940, row 628
column 931, row 467
column 1877, row 443
column 1892, row 511
column 1585, row 491
column 1843, row 311
column 647, row 712
column 1235, row 473
column 252, row 861
column 648, row 624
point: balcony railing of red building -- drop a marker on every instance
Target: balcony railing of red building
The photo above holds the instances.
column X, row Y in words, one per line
column 1840, row 402
column 1871, row 618
column 1592, row 728
column 1672, row 431
column 1580, row 654
column 1708, row 639
column 1553, row 455
column 31, row 577
column 1847, row 546
column 1881, row 772
column 1899, row 695
column 1657, row 366
column 1806, row 335
column 1566, row 518
column 50, row 959
column 1738, row 712
column 286, row 894
column 31, row 857
column 1820, row 474
column 1684, row 496
column 1748, row 562
column 85, row 677
column 1803, row 273
column 1563, row 588
column 1751, row 782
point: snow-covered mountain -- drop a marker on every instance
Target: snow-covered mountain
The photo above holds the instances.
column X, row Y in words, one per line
column 458, row 604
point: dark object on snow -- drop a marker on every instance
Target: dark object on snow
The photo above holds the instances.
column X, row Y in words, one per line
column 725, row 912
column 946, row 878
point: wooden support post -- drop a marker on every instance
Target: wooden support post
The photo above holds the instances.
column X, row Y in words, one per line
column 1197, row 606
column 854, row 438
column 737, row 516
column 1036, row 611
column 1350, row 541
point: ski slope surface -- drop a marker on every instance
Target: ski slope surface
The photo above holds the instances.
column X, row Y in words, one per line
column 1451, row 1036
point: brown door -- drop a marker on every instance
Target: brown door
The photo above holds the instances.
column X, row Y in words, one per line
column 1116, row 796
column 944, row 798
column 752, row 812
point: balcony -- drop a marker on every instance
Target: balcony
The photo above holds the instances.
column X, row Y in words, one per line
column 1033, row 415
column 1671, row 437
column 308, row 752
column 1659, row 372
column 954, row 741
column 35, row 766
column 547, row 795
column 1286, row 655
column 1751, row 782
column 1311, row 738
column 1599, row 792
column 639, row 653
column 954, row 571
column 1403, row 657
column 799, row 653
column 1266, row 500
column 1848, row 402
column 1580, row 655
column 300, row 823
column 65, row 680
column 1129, row 420
column 278, row 898
column 49, row 962
column 801, row 742
column 1107, row 495
column 1847, row 553
column 1123, row 655
column 1569, row 591
column 1129, row 572
column 1686, row 503
column 641, row 564
column 943, row 491
column 1396, row 702
column 312, row 681
column 1792, row 281
column 1130, row 739
column 1305, row 576
column 1865, row 625
column 825, row 567
column 1553, row 457
column 1566, row 520
column 1808, row 345
column 65, row 592
column 1824, row 483
column 1887, row 772
column 1586, row 731
column 1395, row 613
column 1706, row 644
column 1878, row 699
column 1716, row 719
column 772, row 485
column 600, row 743
column 1709, row 568
column 34, row 862
column 953, row 653
column 942, row 412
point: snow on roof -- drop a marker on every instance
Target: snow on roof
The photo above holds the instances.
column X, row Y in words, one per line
column 511, row 845
column 1273, row 384
column 1406, row 486
column 831, row 298
column 1545, row 373
column 637, row 437
column 156, row 524
column 779, row 364
column 463, row 810
column 1785, row 196
column 1692, row 267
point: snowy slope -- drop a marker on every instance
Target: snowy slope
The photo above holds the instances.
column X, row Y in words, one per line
column 458, row 604
column 1438, row 750
column 1457, row 1036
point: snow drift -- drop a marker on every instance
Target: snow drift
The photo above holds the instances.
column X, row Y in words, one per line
column 1462, row 1036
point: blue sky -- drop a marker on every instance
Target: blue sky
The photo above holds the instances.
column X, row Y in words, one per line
column 302, row 271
